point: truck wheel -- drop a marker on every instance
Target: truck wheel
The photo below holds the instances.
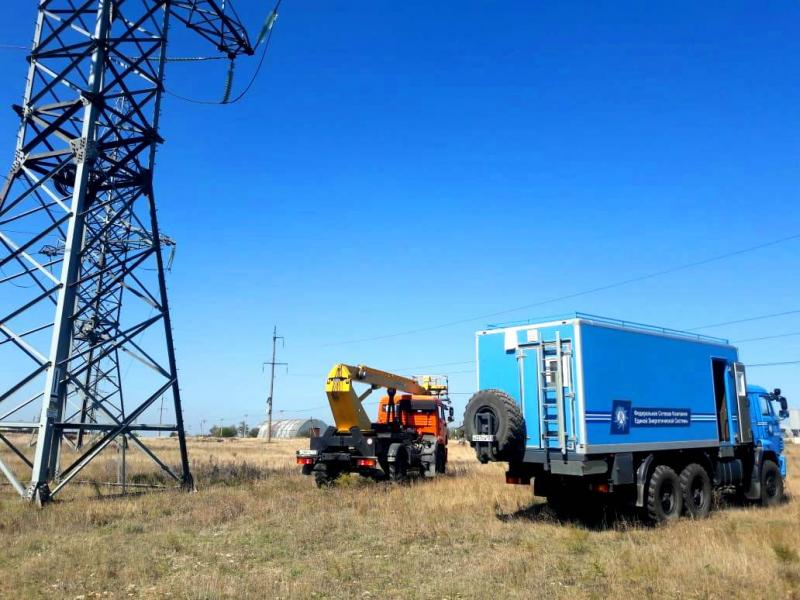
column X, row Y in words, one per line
column 696, row 491
column 561, row 505
column 323, row 476
column 509, row 425
column 441, row 460
column 664, row 499
column 398, row 469
column 771, row 484
column 431, row 468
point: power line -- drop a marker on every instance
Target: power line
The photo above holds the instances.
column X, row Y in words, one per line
column 298, row 410
column 766, row 337
column 774, row 364
column 747, row 320
column 267, row 32
column 586, row 292
column 445, row 364
column 406, row 369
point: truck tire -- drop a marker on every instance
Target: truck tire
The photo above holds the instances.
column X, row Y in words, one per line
column 324, row 476
column 441, row 460
column 563, row 506
column 398, row 468
column 664, row 499
column 771, row 484
column 696, row 491
column 509, row 431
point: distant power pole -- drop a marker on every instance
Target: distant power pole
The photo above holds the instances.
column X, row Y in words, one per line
column 272, row 363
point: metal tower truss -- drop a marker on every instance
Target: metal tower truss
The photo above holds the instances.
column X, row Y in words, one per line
column 85, row 336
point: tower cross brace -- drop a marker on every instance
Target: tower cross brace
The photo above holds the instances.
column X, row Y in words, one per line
column 85, row 330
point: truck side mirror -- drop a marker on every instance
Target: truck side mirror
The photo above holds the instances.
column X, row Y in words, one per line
column 784, row 412
column 450, row 418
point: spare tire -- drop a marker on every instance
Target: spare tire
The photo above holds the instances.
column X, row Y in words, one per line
column 506, row 424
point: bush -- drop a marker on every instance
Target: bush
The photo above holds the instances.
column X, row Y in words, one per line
column 225, row 431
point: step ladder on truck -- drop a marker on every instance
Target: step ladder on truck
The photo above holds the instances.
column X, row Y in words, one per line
column 586, row 406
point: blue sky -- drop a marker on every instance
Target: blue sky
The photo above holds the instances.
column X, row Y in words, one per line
column 401, row 165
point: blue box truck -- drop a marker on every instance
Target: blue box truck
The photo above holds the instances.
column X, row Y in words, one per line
column 654, row 417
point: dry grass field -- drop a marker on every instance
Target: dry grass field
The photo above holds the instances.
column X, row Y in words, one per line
column 257, row 528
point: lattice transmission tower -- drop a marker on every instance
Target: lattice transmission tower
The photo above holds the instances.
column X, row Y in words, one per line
column 85, row 335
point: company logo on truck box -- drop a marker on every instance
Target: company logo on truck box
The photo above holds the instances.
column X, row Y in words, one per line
column 661, row 417
column 624, row 416
column 621, row 417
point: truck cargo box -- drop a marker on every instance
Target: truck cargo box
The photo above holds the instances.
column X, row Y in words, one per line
column 590, row 385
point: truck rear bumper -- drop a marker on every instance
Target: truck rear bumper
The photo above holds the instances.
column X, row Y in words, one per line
column 570, row 463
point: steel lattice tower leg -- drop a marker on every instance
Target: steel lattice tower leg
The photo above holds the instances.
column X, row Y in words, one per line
column 81, row 264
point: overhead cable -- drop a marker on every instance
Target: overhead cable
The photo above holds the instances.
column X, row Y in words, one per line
column 774, row 364
column 766, row 337
column 747, row 320
column 264, row 36
column 586, row 292
column 445, row 364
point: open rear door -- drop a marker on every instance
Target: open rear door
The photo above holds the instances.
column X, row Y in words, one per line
column 742, row 404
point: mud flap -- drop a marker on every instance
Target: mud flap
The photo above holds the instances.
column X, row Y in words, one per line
column 753, row 492
column 428, row 456
column 641, row 479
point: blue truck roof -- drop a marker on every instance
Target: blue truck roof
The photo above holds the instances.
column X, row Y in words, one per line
column 633, row 325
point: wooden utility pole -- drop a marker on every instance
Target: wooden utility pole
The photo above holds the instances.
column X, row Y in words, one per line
column 272, row 363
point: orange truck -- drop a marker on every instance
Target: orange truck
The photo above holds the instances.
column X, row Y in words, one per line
column 409, row 437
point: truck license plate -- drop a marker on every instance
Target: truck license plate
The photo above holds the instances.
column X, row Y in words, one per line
column 483, row 437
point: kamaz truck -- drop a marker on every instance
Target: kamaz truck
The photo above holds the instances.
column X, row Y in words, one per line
column 652, row 417
column 409, row 437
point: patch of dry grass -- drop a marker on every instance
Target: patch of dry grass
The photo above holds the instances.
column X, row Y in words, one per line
column 257, row 528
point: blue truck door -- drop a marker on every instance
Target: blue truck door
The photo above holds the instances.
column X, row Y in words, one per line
column 767, row 427
column 549, row 399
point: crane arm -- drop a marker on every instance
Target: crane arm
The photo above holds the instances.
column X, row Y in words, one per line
column 346, row 404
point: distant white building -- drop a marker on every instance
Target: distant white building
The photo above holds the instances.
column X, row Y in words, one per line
column 293, row 428
column 791, row 426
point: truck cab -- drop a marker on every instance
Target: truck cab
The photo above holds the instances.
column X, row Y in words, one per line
column 427, row 415
column 766, row 412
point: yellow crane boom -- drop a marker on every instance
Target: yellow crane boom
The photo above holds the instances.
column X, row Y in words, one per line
column 346, row 403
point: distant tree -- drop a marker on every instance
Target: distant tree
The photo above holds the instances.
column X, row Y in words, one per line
column 253, row 433
column 225, row 431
